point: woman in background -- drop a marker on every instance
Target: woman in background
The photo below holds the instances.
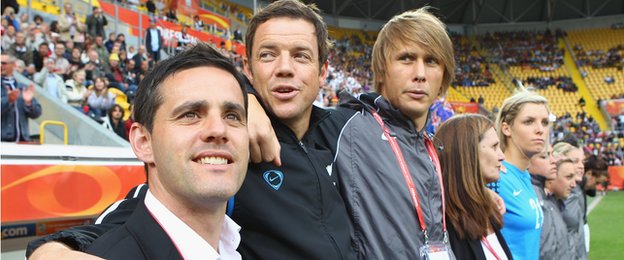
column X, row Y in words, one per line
column 471, row 157
column 99, row 99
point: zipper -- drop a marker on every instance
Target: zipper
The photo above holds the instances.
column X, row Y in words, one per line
column 303, row 146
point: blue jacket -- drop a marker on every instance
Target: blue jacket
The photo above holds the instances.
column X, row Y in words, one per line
column 17, row 109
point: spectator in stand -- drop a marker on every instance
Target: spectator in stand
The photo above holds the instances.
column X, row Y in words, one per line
column 143, row 70
column 184, row 39
column 121, row 39
column 8, row 38
column 74, row 60
column 123, row 58
column 100, row 100
column 20, row 67
column 96, row 22
column 153, row 40
column 130, row 76
column 114, row 74
column 18, row 104
column 609, row 79
column 98, row 46
column 33, row 37
column 20, row 50
column 140, row 56
column 116, row 122
column 171, row 15
column 131, row 52
column 151, row 7
column 62, row 64
column 69, row 46
column 77, row 93
column 9, row 15
column 38, row 20
column 51, row 81
column 70, row 27
column 109, row 43
column 238, row 35
column 94, row 67
column 198, row 24
column 40, row 54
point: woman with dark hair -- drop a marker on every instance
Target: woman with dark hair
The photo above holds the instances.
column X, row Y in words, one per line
column 470, row 158
column 116, row 122
column 99, row 99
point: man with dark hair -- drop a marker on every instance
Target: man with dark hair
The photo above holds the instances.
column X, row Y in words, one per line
column 96, row 22
column 153, row 40
column 195, row 145
column 39, row 55
column 293, row 210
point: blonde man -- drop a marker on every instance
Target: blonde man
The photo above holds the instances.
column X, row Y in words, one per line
column 395, row 199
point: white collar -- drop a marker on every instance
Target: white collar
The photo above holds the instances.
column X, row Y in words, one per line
column 190, row 244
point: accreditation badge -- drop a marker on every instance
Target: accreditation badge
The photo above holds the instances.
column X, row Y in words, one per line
column 435, row 250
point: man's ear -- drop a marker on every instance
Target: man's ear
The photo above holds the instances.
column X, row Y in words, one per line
column 141, row 143
column 247, row 69
column 323, row 74
column 506, row 129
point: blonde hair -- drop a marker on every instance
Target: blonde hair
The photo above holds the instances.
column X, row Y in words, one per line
column 562, row 149
column 512, row 106
column 414, row 27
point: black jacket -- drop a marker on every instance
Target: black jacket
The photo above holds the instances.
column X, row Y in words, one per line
column 295, row 211
column 469, row 249
column 141, row 237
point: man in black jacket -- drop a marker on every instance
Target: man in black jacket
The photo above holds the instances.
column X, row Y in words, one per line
column 287, row 211
column 96, row 22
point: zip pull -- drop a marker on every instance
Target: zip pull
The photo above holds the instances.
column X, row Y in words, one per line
column 303, row 146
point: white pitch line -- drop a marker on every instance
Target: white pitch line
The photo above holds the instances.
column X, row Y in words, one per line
column 594, row 203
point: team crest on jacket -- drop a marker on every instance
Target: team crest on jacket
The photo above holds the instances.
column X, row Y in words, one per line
column 274, row 178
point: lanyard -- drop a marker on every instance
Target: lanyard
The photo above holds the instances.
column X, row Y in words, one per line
column 408, row 178
column 489, row 247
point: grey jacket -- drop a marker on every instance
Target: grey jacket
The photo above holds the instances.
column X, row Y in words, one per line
column 555, row 243
column 559, row 243
column 573, row 217
column 385, row 221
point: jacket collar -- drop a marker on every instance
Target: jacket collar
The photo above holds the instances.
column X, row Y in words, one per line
column 390, row 114
column 285, row 134
column 538, row 180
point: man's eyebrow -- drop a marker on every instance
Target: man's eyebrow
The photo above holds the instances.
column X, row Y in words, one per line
column 267, row 45
column 233, row 106
column 190, row 106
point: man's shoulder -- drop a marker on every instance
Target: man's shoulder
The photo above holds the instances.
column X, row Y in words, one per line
column 140, row 237
column 116, row 244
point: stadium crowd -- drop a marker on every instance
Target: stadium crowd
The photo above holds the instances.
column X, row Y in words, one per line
column 83, row 67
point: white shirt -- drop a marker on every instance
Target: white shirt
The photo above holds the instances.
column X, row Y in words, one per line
column 154, row 42
column 190, row 244
column 493, row 239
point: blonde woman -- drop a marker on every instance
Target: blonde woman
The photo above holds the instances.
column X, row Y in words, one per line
column 522, row 126
column 574, row 212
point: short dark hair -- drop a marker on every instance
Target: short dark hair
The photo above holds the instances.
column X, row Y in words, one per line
column 148, row 97
column 296, row 10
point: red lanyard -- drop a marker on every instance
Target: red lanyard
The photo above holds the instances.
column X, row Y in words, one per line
column 408, row 178
column 489, row 247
